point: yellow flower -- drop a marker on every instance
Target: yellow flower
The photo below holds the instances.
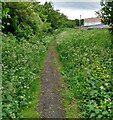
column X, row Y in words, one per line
column 96, row 107
column 101, row 106
column 105, row 102
column 108, row 106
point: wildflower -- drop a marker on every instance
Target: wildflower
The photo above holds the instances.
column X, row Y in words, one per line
column 96, row 107
column 108, row 106
column 101, row 87
column 101, row 106
column 109, row 109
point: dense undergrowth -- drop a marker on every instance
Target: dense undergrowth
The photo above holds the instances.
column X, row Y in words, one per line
column 26, row 29
column 21, row 66
column 86, row 59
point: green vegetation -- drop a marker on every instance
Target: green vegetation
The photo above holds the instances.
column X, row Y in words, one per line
column 21, row 20
column 25, row 19
column 74, row 23
column 26, row 36
column 106, row 12
column 27, row 29
column 21, row 67
column 86, row 59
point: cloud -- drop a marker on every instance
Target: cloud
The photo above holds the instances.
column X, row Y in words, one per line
column 75, row 14
column 77, row 5
column 74, row 8
column 69, row 0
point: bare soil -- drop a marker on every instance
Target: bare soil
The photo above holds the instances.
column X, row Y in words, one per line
column 50, row 104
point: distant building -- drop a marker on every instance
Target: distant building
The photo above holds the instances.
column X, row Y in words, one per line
column 94, row 23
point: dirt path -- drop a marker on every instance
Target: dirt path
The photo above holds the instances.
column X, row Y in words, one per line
column 50, row 104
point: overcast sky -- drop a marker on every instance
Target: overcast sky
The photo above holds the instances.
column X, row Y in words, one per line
column 74, row 8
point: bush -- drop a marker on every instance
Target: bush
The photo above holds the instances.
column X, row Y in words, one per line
column 21, row 66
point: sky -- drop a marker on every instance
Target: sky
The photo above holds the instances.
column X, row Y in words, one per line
column 74, row 8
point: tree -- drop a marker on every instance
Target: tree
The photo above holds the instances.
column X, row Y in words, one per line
column 106, row 12
column 54, row 17
column 20, row 19
column 82, row 21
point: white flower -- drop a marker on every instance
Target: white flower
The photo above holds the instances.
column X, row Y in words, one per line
column 101, row 87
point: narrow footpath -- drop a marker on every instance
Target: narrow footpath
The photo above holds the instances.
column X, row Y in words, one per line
column 50, row 104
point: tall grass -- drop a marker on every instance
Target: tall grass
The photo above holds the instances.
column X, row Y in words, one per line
column 86, row 58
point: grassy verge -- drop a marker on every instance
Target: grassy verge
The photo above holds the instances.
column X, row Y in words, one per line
column 70, row 106
column 32, row 110
column 22, row 63
column 86, row 59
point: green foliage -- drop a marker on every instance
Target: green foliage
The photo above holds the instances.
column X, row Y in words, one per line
column 77, row 22
column 25, row 25
column 20, row 19
column 21, row 66
column 54, row 17
column 74, row 23
column 70, row 23
column 106, row 12
column 87, row 75
column 86, row 58
column 38, row 8
column 25, row 19
column 82, row 22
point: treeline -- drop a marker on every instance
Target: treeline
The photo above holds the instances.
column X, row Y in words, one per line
column 25, row 19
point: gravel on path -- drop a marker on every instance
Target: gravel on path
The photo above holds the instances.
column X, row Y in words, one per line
column 50, row 104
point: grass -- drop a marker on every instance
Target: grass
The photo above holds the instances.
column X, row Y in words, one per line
column 85, row 66
column 86, row 59
column 70, row 107
column 31, row 110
